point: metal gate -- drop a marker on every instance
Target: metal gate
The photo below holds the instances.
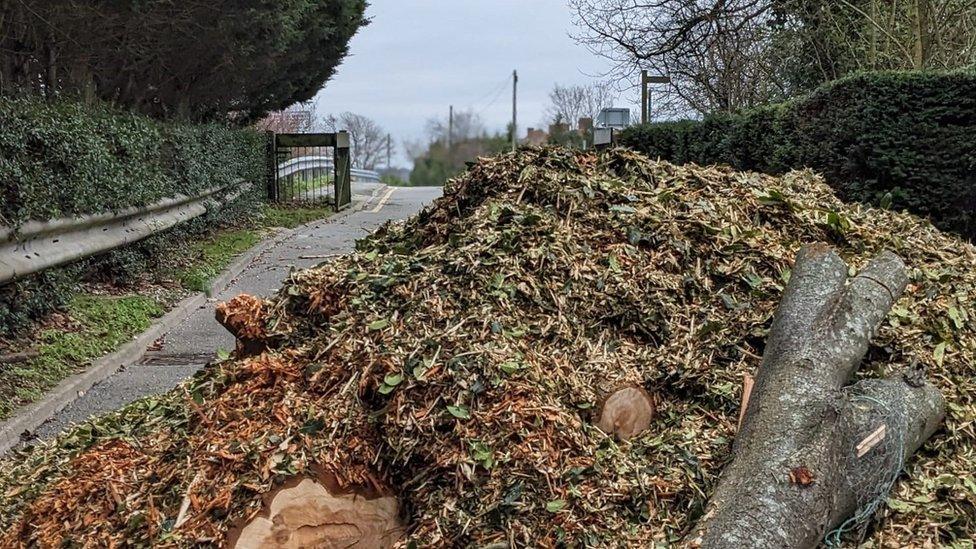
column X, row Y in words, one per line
column 310, row 168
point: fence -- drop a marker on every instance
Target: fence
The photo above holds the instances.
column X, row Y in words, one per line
column 311, row 168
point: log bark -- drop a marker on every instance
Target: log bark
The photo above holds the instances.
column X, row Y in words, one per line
column 810, row 451
column 17, row 358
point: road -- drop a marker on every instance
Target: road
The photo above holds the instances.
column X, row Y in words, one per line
column 196, row 340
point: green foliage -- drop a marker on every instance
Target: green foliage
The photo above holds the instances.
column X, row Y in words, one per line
column 189, row 60
column 439, row 164
column 212, row 256
column 103, row 324
column 25, row 300
column 393, row 180
column 565, row 137
column 61, row 159
column 902, row 139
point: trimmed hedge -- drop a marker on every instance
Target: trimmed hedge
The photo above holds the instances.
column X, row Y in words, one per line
column 904, row 138
column 66, row 159
column 61, row 159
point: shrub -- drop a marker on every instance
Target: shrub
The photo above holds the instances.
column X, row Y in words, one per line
column 61, row 159
column 907, row 136
column 64, row 158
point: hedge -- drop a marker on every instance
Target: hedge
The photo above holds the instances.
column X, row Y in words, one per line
column 906, row 140
column 61, row 159
column 65, row 158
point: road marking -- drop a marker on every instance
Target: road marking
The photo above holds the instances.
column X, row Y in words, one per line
column 383, row 201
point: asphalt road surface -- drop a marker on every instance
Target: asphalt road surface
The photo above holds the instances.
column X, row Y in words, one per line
column 193, row 343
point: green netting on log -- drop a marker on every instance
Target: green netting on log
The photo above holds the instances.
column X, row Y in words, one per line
column 458, row 361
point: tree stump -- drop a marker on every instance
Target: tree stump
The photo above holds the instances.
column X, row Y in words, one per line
column 812, row 450
column 244, row 317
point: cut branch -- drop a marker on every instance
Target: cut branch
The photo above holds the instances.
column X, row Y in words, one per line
column 796, row 473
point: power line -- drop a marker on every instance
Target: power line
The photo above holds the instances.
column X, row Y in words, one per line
column 496, row 95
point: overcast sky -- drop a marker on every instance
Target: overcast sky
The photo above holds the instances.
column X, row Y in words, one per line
column 417, row 57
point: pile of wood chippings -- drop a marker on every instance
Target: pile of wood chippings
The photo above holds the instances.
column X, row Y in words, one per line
column 455, row 360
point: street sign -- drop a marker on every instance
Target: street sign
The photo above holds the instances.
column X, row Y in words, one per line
column 614, row 118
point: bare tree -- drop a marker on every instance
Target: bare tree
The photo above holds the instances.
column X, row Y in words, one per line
column 713, row 50
column 467, row 125
column 295, row 119
column 567, row 104
column 852, row 35
column 367, row 139
column 729, row 54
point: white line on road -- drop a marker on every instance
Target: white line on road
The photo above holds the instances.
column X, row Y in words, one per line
column 383, row 201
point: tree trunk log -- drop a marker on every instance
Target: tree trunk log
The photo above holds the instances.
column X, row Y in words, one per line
column 811, row 452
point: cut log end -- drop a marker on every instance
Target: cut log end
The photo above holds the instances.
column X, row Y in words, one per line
column 626, row 413
column 307, row 514
column 244, row 317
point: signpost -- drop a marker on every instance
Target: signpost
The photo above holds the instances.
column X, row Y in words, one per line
column 647, row 80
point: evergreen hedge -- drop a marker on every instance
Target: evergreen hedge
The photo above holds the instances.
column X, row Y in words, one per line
column 60, row 159
column 906, row 140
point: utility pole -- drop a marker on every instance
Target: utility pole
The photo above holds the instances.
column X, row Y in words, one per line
column 389, row 150
column 450, row 136
column 450, row 129
column 514, row 110
column 646, row 80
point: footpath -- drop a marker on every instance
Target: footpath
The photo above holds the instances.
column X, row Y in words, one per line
column 189, row 337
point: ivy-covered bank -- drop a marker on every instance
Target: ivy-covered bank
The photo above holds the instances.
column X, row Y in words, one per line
column 60, row 159
column 65, row 158
column 905, row 140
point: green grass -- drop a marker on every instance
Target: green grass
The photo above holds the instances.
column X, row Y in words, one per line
column 298, row 187
column 290, row 217
column 103, row 325
column 210, row 257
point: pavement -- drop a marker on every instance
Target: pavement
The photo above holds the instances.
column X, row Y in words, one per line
column 195, row 341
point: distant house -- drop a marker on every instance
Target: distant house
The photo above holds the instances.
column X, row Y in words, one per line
column 559, row 132
column 536, row 137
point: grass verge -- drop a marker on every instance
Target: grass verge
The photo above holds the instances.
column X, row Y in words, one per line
column 94, row 326
column 210, row 257
column 290, row 217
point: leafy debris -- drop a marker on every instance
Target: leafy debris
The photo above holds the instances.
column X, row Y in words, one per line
column 457, row 358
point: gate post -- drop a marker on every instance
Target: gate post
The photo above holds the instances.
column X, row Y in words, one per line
column 271, row 165
column 343, row 176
